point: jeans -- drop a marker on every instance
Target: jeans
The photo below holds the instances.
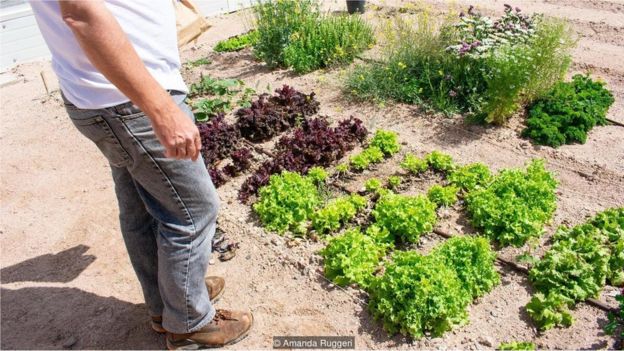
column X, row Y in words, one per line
column 167, row 211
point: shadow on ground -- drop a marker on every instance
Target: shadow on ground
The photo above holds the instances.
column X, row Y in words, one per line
column 62, row 267
column 56, row 318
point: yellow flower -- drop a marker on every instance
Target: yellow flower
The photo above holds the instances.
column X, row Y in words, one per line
column 402, row 65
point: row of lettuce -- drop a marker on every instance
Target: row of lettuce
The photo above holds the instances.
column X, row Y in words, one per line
column 487, row 68
column 418, row 294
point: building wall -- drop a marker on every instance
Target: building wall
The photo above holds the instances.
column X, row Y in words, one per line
column 20, row 40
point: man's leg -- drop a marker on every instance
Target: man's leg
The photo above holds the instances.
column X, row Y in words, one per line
column 138, row 229
column 181, row 197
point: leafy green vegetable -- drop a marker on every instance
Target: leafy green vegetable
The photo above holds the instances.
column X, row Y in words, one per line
column 386, row 141
column 515, row 205
column 413, row 164
column 379, row 234
column 337, row 212
column 405, row 217
column 373, row 185
column 213, row 86
column 205, row 108
column 443, row 195
column 364, row 159
column 517, row 345
column 394, row 182
column 473, row 261
column 317, row 174
column 352, row 257
column 237, row 43
column 568, row 112
column 417, row 295
column 440, row 161
column 470, row 176
column 549, row 310
column 287, row 202
column 577, row 267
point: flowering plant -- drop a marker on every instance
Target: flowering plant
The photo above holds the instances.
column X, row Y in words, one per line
column 479, row 35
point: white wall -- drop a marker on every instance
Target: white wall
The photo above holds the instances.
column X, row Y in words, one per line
column 20, row 40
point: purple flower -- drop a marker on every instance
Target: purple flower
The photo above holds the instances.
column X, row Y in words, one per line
column 452, row 93
column 475, row 44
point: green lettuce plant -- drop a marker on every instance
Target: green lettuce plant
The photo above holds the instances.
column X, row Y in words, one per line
column 418, row 295
column 443, row 195
column 413, row 164
column 473, row 260
column 405, row 217
column 352, row 257
column 287, row 202
column 337, row 212
column 470, row 176
column 515, row 205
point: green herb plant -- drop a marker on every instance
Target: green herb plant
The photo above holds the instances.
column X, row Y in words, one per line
column 568, row 112
column 465, row 65
column 296, row 34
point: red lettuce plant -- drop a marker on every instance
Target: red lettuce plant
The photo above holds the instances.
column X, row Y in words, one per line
column 314, row 143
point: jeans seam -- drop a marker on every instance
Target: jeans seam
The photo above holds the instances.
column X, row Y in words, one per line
column 183, row 207
column 108, row 130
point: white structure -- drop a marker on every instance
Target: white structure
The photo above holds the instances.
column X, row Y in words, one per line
column 20, row 40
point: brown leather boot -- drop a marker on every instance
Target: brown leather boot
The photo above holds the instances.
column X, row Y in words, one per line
column 226, row 328
column 215, row 285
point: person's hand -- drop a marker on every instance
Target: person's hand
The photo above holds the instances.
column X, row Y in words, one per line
column 178, row 134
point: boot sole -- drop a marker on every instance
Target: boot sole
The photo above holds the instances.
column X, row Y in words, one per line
column 192, row 345
column 157, row 327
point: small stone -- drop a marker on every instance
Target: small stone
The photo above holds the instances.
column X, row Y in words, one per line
column 493, row 313
column 69, row 342
column 485, row 341
column 212, row 261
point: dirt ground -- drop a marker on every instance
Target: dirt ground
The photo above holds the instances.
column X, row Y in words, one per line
column 67, row 281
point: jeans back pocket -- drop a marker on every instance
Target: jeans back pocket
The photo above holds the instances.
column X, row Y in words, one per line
column 98, row 130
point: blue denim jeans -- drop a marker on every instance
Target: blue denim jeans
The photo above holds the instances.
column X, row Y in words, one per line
column 167, row 210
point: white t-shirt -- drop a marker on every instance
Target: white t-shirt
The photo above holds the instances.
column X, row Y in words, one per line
column 151, row 28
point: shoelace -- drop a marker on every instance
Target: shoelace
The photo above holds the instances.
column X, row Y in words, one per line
column 222, row 315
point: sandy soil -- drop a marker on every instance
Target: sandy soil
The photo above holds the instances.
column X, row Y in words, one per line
column 67, row 281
